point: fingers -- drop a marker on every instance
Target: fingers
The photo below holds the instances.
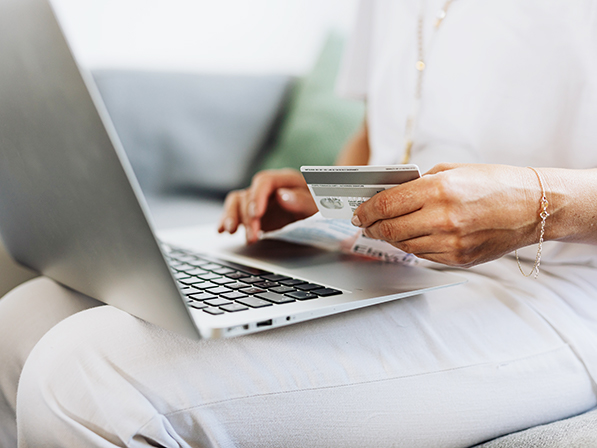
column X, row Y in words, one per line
column 443, row 167
column 230, row 218
column 459, row 215
column 400, row 229
column 453, row 250
column 392, row 203
column 250, row 206
column 267, row 182
column 296, row 200
column 432, row 248
column 403, row 199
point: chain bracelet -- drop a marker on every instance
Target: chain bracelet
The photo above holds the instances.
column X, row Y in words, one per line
column 543, row 215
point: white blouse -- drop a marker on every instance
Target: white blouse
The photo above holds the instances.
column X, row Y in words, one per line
column 506, row 81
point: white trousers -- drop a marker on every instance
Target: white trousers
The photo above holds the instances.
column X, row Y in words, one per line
column 450, row 368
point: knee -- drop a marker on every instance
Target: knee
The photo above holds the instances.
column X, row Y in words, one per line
column 67, row 376
column 30, row 310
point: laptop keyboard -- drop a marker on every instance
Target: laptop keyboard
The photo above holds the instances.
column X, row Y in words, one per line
column 218, row 287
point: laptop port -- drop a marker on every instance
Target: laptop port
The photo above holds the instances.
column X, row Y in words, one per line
column 265, row 323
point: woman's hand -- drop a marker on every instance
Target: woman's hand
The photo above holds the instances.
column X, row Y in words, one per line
column 274, row 199
column 459, row 215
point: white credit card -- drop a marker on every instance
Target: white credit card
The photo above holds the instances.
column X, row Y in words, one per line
column 339, row 190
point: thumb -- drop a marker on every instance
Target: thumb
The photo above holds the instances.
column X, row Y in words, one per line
column 296, row 200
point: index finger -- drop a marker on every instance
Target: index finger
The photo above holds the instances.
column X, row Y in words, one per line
column 264, row 184
column 397, row 201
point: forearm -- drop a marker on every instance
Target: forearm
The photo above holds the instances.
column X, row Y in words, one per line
column 356, row 151
column 572, row 196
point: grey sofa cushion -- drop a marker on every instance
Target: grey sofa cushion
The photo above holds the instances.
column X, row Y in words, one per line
column 575, row 432
column 192, row 130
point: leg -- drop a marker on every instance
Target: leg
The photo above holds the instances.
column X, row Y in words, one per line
column 26, row 314
column 451, row 368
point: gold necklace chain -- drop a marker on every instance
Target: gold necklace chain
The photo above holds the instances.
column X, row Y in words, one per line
column 420, row 66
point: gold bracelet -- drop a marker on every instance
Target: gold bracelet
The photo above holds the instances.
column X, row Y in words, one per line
column 543, row 215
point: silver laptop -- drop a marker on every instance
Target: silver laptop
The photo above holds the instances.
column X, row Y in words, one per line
column 71, row 209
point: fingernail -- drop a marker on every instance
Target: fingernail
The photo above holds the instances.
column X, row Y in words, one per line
column 249, row 234
column 228, row 225
column 252, row 209
column 286, row 196
column 355, row 221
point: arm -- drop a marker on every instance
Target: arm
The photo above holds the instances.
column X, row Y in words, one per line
column 572, row 195
column 356, row 151
column 463, row 215
column 279, row 197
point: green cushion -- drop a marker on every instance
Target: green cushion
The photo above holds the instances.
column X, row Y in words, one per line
column 318, row 122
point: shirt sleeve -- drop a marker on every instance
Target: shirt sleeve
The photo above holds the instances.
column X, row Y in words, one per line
column 353, row 77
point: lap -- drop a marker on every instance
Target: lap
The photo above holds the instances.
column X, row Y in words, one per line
column 26, row 314
column 451, row 368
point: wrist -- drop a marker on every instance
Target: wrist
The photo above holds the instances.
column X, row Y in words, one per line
column 560, row 225
column 543, row 215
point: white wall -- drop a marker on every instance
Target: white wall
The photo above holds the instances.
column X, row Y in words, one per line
column 248, row 36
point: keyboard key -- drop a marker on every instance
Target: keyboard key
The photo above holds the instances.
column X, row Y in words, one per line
column 274, row 277
column 181, row 275
column 204, row 285
column 219, row 290
column 325, row 292
column 214, row 311
column 252, row 290
column 234, row 307
column 209, row 276
column 189, row 291
column 224, row 271
column 234, row 295
column 190, row 281
column 197, row 305
column 291, row 282
column 236, row 275
column 254, row 302
column 282, row 289
column 221, row 281
column 195, row 271
column 308, row 286
column 236, row 285
column 202, row 296
column 251, row 279
column 302, row 295
column 266, row 285
column 185, row 258
column 184, row 267
column 211, row 266
column 274, row 298
column 217, row 302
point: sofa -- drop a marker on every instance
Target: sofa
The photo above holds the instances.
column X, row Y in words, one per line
column 191, row 138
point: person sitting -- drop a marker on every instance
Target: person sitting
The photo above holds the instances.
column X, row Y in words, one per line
column 505, row 84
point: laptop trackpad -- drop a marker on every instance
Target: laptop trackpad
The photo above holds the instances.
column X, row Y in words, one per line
column 287, row 255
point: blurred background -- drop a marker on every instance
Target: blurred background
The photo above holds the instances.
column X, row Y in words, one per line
column 223, row 36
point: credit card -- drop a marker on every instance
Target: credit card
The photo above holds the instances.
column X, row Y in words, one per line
column 339, row 190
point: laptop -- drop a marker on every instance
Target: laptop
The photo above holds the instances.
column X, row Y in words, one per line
column 71, row 209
